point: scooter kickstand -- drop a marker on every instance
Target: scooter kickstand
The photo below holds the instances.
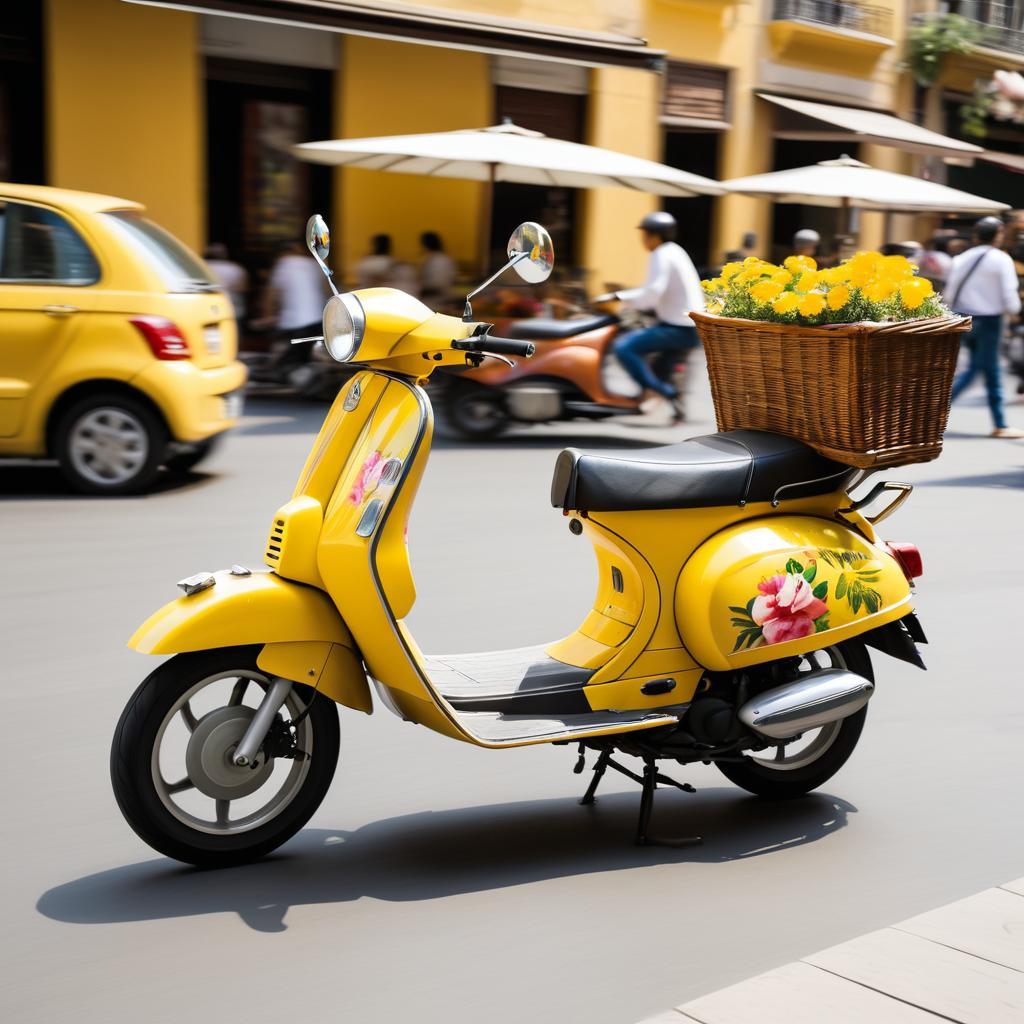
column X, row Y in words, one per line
column 599, row 769
column 650, row 784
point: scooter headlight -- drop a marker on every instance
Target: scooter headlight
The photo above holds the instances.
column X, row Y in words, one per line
column 344, row 323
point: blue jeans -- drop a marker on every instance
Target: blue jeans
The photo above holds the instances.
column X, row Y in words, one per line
column 983, row 341
column 631, row 348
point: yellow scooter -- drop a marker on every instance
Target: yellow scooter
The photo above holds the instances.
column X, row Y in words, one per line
column 738, row 590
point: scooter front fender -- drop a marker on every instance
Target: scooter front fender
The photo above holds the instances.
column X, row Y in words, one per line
column 303, row 636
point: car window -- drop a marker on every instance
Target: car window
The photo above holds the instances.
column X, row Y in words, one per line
column 177, row 265
column 39, row 245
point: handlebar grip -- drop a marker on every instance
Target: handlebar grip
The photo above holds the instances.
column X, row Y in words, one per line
column 500, row 346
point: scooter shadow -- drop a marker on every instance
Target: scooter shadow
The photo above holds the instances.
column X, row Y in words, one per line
column 433, row 855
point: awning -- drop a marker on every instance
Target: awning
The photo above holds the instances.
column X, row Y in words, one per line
column 435, row 26
column 825, row 121
column 1011, row 161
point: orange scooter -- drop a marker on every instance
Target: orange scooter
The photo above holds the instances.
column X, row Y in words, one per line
column 572, row 375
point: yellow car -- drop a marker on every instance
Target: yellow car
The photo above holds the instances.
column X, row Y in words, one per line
column 117, row 346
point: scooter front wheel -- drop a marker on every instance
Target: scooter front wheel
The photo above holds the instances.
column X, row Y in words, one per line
column 174, row 776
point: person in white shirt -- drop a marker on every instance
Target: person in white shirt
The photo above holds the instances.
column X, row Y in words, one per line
column 672, row 290
column 437, row 271
column 983, row 284
column 296, row 292
column 231, row 276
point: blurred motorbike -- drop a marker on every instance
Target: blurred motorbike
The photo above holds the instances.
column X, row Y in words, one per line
column 282, row 371
column 572, row 376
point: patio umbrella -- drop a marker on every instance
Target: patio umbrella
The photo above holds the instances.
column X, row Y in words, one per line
column 847, row 183
column 507, row 152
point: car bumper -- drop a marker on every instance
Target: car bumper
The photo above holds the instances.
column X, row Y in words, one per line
column 196, row 403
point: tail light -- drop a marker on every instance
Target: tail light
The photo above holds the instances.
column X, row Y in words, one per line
column 162, row 336
column 908, row 556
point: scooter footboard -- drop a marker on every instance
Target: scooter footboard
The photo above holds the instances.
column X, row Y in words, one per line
column 780, row 586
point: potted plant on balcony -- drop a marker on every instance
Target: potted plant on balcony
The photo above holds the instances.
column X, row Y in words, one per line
column 856, row 360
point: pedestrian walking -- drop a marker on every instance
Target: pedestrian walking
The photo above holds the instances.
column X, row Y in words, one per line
column 983, row 284
column 437, row 271
column 672, row 290
column 806, row 242
column 231, row 276
column 295, row 300
column 936, row 263
column 377, row 268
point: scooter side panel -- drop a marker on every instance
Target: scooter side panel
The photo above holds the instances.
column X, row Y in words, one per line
column 363, row 555
column 780, row 586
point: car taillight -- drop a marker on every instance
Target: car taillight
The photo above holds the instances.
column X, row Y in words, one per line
column 162, row 336
column 908, row 556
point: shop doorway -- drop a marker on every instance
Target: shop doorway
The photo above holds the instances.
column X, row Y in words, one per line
column 562, row 117
column 696, row 152
column 21, row 93
column 788, row 218
column 259, row 196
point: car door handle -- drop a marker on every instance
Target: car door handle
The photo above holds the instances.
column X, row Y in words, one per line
column 58, row 310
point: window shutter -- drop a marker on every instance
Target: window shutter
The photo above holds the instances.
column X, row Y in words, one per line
column 694, row 95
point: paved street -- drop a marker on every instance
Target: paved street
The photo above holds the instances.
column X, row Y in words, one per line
column 439, row 882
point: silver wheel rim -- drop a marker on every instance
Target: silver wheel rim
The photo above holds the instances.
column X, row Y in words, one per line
column 214, row 815
column 809, row 747
column 108, row 446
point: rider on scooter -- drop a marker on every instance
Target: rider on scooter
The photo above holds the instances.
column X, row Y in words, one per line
column 672, row 289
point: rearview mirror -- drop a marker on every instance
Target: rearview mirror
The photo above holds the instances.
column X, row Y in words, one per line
column 531, row 252
column 318, row 237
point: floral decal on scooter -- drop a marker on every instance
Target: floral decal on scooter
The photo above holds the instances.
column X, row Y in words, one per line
column 368, row 478
column 791, row 605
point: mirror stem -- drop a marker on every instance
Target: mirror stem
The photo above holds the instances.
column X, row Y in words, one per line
column 467, row 313
column 328, row 273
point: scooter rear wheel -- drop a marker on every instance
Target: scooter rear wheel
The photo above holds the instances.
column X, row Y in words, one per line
column 799, row 767
column 172, row 771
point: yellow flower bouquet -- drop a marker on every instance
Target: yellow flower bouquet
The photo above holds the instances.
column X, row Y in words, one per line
column 855, row 360
column 868, row 287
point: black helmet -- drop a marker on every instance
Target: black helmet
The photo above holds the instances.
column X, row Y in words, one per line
column 986, row 229
column 661, row 224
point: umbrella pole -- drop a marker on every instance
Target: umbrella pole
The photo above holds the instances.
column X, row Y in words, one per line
column 486, row 209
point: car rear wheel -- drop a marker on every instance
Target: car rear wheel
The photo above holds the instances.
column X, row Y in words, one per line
column 110, row 444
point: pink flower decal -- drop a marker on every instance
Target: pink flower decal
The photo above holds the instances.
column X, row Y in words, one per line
column 787, row 608
column 368, row 478
column 790, row 605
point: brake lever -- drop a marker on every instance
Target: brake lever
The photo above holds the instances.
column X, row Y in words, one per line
column 493, row 355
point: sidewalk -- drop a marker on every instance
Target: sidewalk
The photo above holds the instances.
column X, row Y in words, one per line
column 963, row 962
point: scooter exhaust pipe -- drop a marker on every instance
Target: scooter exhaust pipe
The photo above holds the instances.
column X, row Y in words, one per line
column 813, row 700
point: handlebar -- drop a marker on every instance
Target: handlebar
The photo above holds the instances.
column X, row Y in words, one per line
column 499, row 346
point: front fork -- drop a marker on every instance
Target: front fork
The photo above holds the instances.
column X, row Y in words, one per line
column 256, row 733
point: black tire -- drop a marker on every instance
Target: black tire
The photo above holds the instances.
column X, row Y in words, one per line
column 182, row 462
column 135, row 789
column 149, row 426
column 474, row 412
column 784, row 785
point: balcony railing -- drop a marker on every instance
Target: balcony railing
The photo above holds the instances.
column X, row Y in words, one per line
column 840, row 14
column 1004, row 23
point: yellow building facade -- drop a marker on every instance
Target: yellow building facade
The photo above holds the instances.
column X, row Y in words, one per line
column 131, row 94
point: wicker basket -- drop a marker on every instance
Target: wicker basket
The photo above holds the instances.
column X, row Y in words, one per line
column 862, row 394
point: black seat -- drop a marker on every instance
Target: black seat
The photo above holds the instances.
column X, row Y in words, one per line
column 545, row 329
column 718, row 469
